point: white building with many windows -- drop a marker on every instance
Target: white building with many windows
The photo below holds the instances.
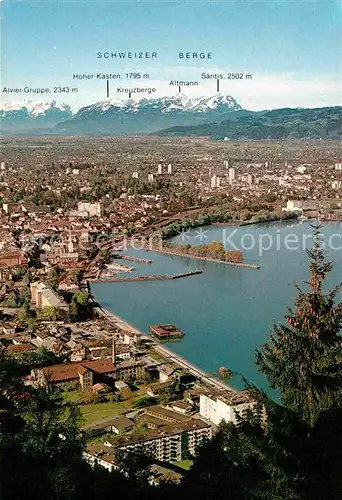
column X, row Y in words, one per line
column 225, row 406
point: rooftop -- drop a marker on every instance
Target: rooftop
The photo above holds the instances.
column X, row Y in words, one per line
column 166, row 430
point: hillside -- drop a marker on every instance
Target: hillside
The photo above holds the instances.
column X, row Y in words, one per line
column 285, row 123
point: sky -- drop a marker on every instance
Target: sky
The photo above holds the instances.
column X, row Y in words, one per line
column 292, row 49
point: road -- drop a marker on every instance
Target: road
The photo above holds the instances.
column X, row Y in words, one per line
column 184, row 363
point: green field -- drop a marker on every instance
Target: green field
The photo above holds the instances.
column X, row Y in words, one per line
column 185, row 464
column 72, row 396
column 99, row 411
column 92, row 413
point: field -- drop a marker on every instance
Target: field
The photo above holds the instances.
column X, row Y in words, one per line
column 184, row 464
column 92, row 413
column 99, row 411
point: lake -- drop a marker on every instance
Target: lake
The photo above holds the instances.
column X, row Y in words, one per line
column 226, row 312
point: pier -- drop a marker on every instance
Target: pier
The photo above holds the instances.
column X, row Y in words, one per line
column 160, row 277
column 134, row 259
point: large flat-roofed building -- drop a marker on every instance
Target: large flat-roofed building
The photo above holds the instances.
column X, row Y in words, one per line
column 300, row 205
column 166, row 414
column 168, row 443
column 216, row 407
column 11, row 208
column 86, row 209
column 13, row 258
column 42, row 295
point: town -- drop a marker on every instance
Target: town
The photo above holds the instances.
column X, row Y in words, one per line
column 67, row 205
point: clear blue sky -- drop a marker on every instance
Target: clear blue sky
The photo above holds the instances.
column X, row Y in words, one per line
column 45, row 42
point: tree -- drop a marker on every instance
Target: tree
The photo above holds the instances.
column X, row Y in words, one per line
column 51, row 425
column 135, row 464
column 81, row 298
column 303, row 358
column 52, row 314
column 292, row 449
column 28, row 277
column 74, row 310
column 53, row 277
column 12, row 300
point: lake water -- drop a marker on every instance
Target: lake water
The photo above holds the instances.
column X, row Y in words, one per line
column 226, row 312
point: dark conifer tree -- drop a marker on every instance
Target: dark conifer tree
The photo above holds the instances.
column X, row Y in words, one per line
column 303, row 358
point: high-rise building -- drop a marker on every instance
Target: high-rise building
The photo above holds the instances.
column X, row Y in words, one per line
column 150, row 177
column 160, row 168
column 226, row 163
column 250, row 178
column 231, row 174
column 3, row 165
column 338, row 166
column 135, row 175
column 169, row 168
column 215, row 182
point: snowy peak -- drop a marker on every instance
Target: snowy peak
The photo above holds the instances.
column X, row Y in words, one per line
column 115, row 116
column 180, row 102
column 35, row 108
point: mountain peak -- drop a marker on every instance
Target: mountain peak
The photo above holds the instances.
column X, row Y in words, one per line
column 117, row 116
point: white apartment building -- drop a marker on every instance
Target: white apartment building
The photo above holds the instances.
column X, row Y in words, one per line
column 231, row 174
column 90, row 209
column 294, row 206
column 42, row 295
column 215, row 182
column 338, row 166
column 336, row 184
column 168, row 443
column 226, row 406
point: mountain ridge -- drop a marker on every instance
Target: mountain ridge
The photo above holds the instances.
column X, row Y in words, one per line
column 217, row 115
column 119, row 117
column 282, row 123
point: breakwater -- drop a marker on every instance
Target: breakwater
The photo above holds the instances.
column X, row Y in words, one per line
column 118, row 279
column 208, row 259
column 135, row 259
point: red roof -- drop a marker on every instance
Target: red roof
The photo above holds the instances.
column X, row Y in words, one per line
column 20, row 347
column 61, row 373
column 100, row 365
column 71, row 371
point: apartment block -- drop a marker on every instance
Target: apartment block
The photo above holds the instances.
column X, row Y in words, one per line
column 217, row 407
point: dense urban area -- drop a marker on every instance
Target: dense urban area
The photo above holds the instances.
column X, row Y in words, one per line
column 91, row 406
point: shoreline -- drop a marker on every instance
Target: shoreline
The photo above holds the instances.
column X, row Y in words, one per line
column 170, row 355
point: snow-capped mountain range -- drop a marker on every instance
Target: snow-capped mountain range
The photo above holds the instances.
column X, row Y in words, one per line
column 114, row 116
